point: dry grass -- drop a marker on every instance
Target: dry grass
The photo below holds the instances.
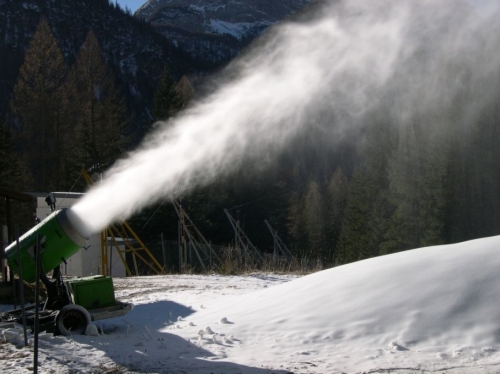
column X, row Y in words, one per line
column 106, row 369
column 234, row 262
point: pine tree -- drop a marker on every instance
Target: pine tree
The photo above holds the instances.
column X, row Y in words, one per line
column 337, row 192
column 474, row 167
column 434, row 193
column 37, row 106
column 167, row 101
column 458, row 224
column 314, row 221
column 295, row 225
column 355, row 237
column 366, row 211
column 404, row 175
column 417, row 191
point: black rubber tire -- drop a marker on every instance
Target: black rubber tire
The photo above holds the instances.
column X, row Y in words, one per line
column 72, row 319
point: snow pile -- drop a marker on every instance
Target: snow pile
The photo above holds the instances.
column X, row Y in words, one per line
column 436, row 302
column 429, row 309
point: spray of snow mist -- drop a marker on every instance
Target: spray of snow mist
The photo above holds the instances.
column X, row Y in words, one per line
column 348, row 59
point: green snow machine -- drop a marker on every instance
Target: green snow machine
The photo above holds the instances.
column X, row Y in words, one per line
column 71, row 304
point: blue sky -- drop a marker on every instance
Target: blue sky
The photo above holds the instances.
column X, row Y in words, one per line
column 133, row 5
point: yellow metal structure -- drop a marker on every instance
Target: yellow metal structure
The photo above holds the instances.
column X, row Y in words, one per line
column 131, row 243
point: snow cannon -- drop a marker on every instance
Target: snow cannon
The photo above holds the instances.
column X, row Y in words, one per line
column 62, row 234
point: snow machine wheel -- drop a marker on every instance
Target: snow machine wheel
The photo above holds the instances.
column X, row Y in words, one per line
column 72, row 319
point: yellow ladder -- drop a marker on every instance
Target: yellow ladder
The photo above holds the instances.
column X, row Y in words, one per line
column 129, row 240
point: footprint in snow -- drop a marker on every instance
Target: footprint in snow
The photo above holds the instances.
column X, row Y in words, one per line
column 394, row 346
column 442, row 355
column 488, row 349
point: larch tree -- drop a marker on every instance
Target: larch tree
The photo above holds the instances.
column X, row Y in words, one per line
column 185, row 91
column 11, row 173
column 37, row 108
column 96, row 108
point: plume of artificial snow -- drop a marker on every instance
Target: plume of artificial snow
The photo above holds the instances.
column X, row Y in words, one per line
column 335, row 70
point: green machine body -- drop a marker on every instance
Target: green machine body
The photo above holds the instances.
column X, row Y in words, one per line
column 62, row 234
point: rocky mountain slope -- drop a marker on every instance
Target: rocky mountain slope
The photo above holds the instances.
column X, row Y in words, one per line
column 215, row 30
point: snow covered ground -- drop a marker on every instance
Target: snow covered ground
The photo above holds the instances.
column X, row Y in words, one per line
column 427, row 310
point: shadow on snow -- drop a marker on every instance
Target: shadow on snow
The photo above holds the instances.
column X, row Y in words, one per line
column 136, row 342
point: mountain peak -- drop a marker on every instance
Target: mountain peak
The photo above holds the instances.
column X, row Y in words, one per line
column 215, row 30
